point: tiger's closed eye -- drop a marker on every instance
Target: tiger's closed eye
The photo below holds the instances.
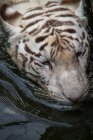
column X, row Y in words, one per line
column 78, row 54
column 48, row 63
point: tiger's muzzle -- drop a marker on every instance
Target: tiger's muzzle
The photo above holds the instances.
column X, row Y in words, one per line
column 69, row 86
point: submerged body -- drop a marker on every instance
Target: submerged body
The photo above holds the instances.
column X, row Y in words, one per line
column 49, row 42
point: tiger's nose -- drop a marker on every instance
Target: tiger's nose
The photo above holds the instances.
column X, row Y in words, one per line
column 78, row 98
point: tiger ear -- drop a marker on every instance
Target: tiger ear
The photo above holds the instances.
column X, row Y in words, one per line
column 10, row 17
column 75, row 6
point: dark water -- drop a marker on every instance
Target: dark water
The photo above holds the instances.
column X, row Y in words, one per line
column 24, row 116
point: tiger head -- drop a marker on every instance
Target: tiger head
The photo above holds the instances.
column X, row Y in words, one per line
column 58, row 60
column 66, row 78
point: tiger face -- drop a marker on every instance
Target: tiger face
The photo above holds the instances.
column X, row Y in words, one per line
column 51, row 45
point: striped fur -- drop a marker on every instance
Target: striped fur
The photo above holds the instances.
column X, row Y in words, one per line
column 50, row 43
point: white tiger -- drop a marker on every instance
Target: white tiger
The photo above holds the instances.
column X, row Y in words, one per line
column 49, row 42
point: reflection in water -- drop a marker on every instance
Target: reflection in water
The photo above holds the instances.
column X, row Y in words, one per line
column 23, row 115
